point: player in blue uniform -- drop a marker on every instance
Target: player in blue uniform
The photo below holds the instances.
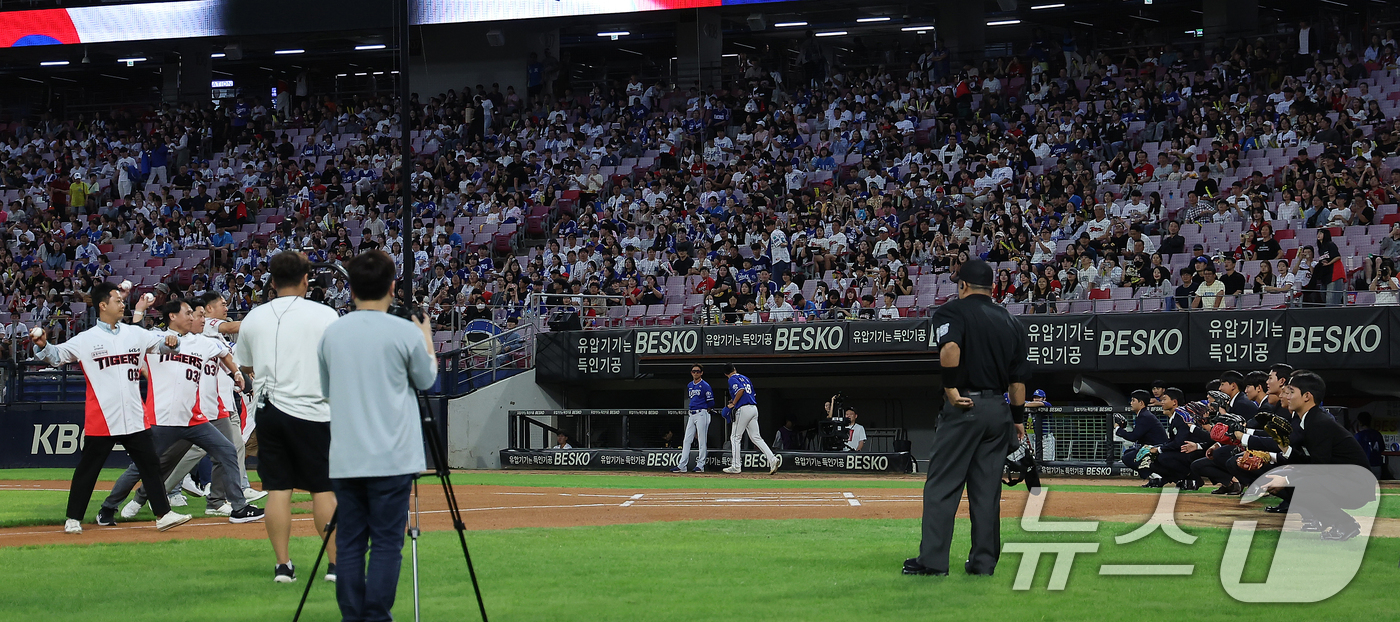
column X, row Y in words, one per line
column 701, row 398
column 743, row 408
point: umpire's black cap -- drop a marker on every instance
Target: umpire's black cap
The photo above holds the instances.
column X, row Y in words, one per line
column 976, row 272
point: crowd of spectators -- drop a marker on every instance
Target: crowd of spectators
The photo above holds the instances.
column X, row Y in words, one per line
column 822, row 191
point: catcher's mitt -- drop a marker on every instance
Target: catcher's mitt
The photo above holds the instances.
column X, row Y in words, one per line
column 1277, row 427
column 1220, row 433
column 1119, row 420
column 1252, row 460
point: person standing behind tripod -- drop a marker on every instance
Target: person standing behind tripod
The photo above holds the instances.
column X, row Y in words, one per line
column 371, row 364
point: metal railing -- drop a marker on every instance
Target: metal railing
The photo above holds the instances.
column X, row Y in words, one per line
column 479, row 363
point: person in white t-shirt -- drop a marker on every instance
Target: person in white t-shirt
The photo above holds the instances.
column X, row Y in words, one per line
column 855, row 432
column 778, row 248
column 889, row 311
column 278, row 345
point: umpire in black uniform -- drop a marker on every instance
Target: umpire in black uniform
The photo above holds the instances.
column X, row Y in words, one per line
column 982, row 350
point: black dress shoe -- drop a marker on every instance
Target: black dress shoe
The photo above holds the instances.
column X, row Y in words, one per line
column 912, row 566
column 1341, row 533
column 1281, row 508
column 1311, row 526
column 968, row 569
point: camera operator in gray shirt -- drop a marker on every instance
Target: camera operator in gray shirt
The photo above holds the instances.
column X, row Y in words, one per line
column 372, row 362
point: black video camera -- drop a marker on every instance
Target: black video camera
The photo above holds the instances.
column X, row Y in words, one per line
column 832, row 432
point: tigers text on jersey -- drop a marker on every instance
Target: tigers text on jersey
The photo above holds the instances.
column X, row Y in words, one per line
column 737, row 382
column 111, row 360
column 172, row 390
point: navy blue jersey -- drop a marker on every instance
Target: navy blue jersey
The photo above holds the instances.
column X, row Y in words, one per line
column 738, row 382
column 1147, row 430
column 700, row 394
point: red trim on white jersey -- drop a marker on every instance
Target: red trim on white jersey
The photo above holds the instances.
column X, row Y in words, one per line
column 94, row 422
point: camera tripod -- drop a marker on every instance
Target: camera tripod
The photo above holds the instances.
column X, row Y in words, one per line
column 438, row 450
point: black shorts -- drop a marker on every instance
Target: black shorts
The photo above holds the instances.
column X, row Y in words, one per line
column 293, row 452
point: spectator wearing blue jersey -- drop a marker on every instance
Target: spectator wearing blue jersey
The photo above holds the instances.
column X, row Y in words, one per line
column 700, row 399
column 743, row 411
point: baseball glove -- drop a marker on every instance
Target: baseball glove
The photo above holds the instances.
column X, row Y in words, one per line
column 1219, row 398
column 1119, row 420
column 1200, row 412
column 1252, row 460
column 1277, row 427
column 1144, row 458
column 1220, row 433
column 1232, row 422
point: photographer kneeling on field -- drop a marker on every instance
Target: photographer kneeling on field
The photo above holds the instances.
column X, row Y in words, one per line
column 371, row 364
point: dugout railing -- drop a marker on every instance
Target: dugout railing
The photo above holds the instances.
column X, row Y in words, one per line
column 1079, row 440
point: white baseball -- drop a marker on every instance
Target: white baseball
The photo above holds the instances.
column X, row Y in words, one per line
column 36, row 332
column 149, row 298
column 126, row 286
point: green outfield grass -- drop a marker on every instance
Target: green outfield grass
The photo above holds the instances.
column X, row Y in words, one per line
column 699, row 570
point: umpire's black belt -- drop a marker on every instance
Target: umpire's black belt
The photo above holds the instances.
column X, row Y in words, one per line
column 978, row 392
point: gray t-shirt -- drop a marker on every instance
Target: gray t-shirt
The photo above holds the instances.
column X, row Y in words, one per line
column 367, row 360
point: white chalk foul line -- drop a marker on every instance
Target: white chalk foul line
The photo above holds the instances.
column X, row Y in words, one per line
column 632, row 500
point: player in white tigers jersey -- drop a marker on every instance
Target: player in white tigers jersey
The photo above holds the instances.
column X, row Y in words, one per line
column 173, row 398
column 217, row 325
column 217, row 388
column 110, row 354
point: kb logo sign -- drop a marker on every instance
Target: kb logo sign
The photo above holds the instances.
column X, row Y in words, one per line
column 56, row 438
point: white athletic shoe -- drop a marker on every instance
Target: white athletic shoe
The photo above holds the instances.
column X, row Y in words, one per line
column 177, row 500
column 733, row 469
column 130, row 509
column 171, row 520
column 253, row 494
column 72, row 526
column 223, row 510
column 189, row 486
column 774, row 464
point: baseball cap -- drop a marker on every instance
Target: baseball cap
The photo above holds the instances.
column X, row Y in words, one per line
column 1039, row 393
column 976, row 272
